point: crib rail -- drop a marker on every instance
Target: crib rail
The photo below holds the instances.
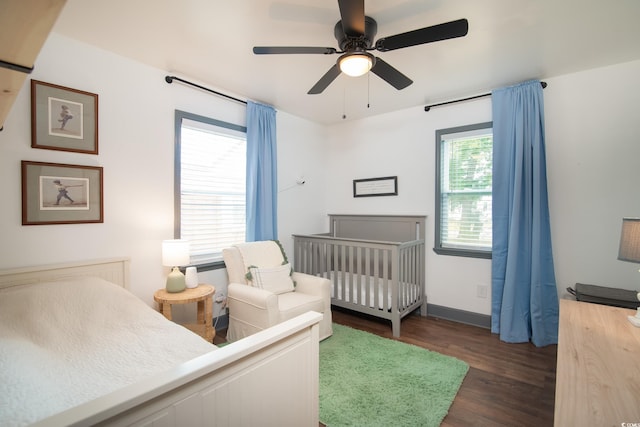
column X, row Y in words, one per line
column 384, row 279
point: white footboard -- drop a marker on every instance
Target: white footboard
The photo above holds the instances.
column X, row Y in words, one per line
column 269, row 378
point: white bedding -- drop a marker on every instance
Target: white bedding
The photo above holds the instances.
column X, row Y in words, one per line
column 361, row 283
column 65, row 343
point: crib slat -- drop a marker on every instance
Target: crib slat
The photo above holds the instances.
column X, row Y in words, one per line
column 358, row 279
column 349, row 279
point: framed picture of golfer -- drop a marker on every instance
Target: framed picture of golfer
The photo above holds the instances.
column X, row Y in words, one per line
column 63, row 118
column 55, row 193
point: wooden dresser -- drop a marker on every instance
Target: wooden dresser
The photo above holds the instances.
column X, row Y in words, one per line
column 598, row 371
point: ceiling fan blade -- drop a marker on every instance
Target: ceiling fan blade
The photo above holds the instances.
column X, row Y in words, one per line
column 325, row 80
column 271, row 50
column 352, row 17
column 390, row 75
column 447, row 30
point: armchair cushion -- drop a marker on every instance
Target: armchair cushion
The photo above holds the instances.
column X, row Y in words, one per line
column 274, row 279
column 293, row 304
column 261, row 254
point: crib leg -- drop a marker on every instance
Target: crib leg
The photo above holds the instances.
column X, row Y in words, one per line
column 395, row 328
column 395, row 324
column 423, row 309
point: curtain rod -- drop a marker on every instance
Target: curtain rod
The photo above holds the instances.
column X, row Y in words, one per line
column 170, row 79
column 15, row 67
column 428, row 107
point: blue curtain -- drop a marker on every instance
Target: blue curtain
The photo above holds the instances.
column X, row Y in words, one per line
column 262, row 182
column 524, row 296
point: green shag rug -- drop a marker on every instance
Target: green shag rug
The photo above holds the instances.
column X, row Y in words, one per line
column 366, row 380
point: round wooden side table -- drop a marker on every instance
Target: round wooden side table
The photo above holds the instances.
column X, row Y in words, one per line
column 202, row 295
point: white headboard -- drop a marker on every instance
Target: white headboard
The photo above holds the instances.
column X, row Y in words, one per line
column 115, row 270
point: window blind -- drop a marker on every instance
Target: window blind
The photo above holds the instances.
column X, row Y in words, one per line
column 212, row 189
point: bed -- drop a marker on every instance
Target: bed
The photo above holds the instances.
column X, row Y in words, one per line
column 376, row 263
column 77, row 348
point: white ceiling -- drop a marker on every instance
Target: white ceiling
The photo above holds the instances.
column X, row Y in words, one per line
column 210, row 41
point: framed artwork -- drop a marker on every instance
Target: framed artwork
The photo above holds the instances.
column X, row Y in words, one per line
column 63, row 119
column 54, row 193
column 385, row 186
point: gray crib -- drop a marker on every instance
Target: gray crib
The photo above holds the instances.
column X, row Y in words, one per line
column 376, row 263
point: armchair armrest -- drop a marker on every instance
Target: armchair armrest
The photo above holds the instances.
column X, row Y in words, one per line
column 314, row 285
column 257, row 305
column 256, row 297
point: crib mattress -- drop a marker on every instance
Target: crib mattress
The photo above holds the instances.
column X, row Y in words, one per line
column 362, row 290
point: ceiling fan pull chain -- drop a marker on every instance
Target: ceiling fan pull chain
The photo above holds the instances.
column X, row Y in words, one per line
column 368, row 89
column 344, row 103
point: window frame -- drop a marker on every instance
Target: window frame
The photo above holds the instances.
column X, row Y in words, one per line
column 461, row 252
column 177, row 188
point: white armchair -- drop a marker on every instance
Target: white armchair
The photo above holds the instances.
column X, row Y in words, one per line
column 262, row 293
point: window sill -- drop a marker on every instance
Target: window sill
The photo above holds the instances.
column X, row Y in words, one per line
column 207, row 267
column 462, row 253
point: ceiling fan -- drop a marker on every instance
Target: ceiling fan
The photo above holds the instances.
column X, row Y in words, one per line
column 355, row 33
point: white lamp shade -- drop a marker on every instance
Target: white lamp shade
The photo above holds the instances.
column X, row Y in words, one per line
column 630, row 240
column 175, row 253
column 355, row 65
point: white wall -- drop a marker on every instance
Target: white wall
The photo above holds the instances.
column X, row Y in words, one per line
column 302, row 155
column 593, row 148
column 136, row 143
column 593, row 153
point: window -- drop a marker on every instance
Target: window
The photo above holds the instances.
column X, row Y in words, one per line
column 210, row 186
column 464, row 161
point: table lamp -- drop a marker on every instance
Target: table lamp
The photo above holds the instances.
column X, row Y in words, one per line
column 630, row 250
column 175, row 253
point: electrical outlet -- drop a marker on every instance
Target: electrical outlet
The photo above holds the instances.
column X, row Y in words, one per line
column 220, row 297
column 482, row 290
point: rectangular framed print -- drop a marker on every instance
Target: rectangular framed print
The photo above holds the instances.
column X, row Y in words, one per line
column 370, row 187
column 63, row 119
column 54, row 193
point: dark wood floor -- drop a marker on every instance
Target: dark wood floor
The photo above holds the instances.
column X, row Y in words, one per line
column 507, row 384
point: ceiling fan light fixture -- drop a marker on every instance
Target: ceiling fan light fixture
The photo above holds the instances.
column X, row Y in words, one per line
column 356, row 64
